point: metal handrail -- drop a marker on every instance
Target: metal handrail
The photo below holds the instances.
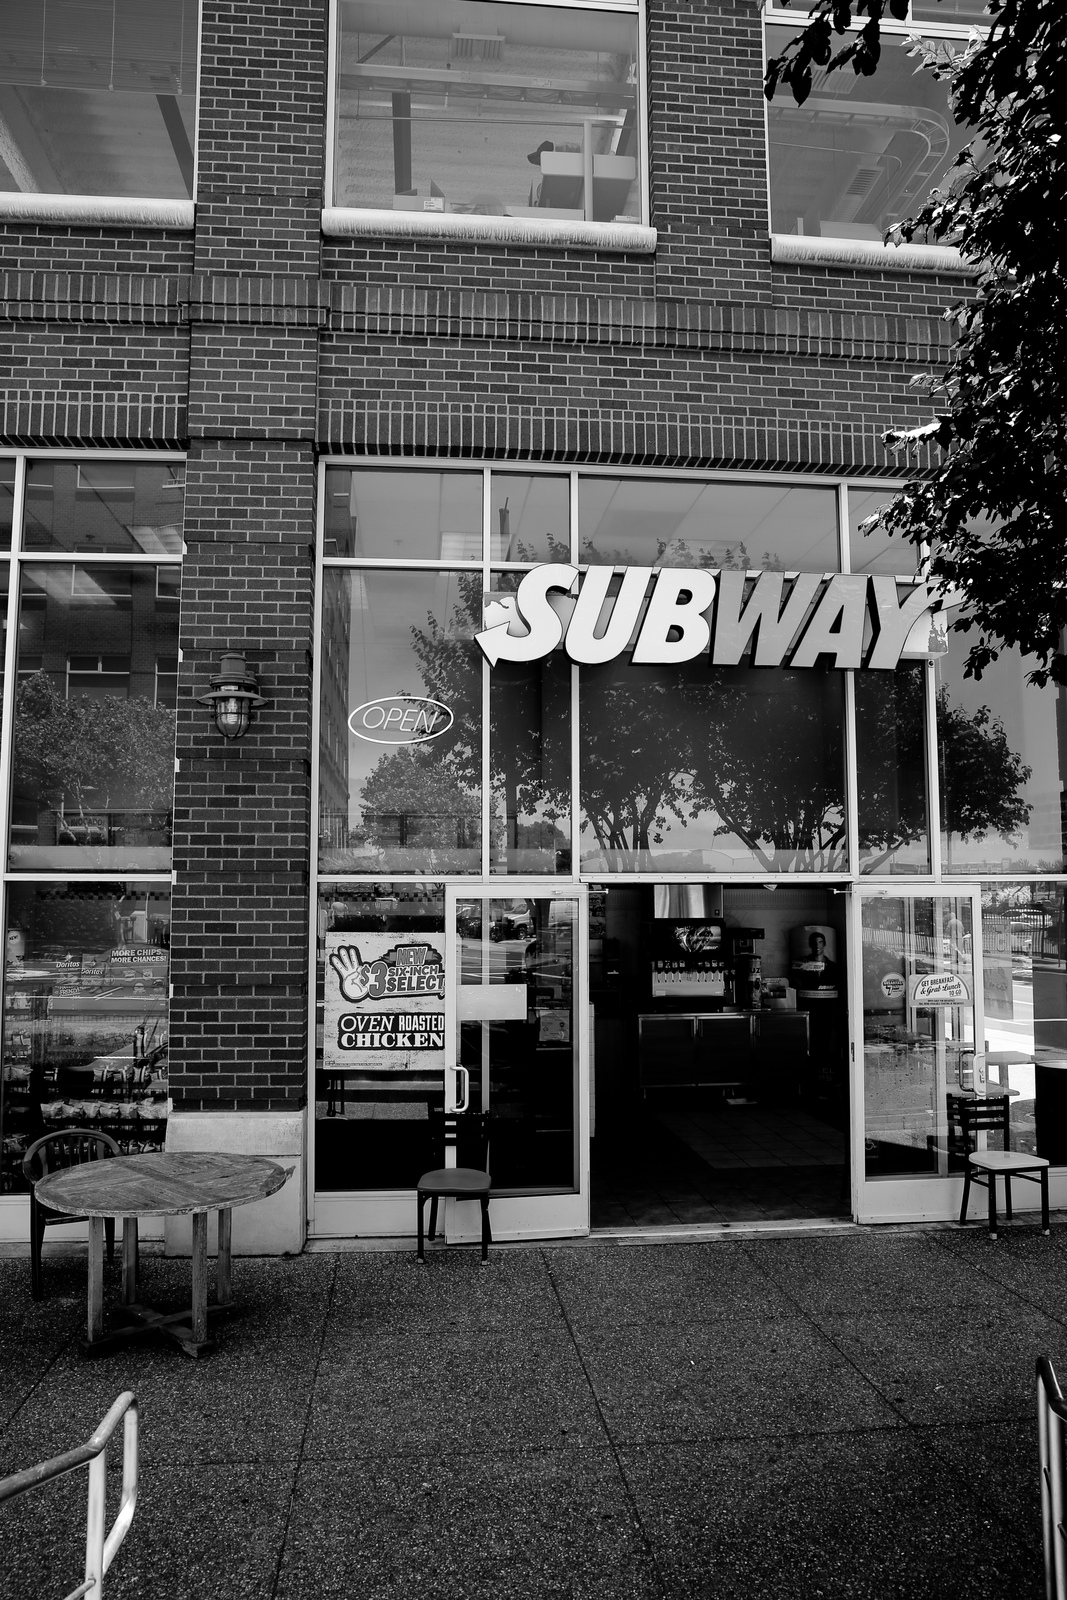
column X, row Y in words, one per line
column 99, row 1549
column 1051, row 1420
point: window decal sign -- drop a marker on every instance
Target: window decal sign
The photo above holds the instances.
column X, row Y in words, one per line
column 384, row 1003
column 667, row 615
column 400, row 719
column 930, row 990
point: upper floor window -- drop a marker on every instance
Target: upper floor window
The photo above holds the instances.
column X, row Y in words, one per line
column 98, row 97
column 864, row 153
column 490, row 108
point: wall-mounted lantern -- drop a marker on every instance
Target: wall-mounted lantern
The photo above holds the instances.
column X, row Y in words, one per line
column 233, row 693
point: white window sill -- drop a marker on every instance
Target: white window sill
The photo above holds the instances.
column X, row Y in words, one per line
column 867, row 255
column 96, row 211
column 620, row 238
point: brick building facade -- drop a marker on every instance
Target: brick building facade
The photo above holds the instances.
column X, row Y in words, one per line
column 256, row 335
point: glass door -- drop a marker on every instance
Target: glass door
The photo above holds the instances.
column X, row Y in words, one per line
column 917, row 1046
column 516, row 1027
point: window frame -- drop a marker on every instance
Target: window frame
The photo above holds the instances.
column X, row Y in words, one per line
column 486, row 564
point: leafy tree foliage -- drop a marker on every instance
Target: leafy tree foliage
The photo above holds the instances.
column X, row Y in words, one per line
column 992, row 506
column 815, row 45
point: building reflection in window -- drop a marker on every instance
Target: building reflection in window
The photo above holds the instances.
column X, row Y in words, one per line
column 93, row 748
column 104, row 507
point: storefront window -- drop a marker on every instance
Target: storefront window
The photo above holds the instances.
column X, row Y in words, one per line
column 739, row 526
column 93, row 742
column 91, row 746
column 530, row 518
column 104, row 507
column 7, row 498
column 891, row 770
column 918, row 1030
column 873, row 550
column 490, row 109
column 1024, row 958
column 683, row 770
column 404, row 516
column 529, row 744
column 85, row 1015
column 373, row 1099
column 1002, row 766
column 99, row 99
column 400, row 722
column 521, row 1058
column 861, row 153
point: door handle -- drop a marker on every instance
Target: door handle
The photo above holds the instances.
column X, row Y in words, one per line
column 462, row 1073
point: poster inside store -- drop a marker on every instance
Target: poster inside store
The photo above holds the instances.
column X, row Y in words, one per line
column 384, row 1002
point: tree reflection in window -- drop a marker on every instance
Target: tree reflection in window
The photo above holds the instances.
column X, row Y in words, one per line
column 421, row 804
column 981, row 776
column 689, row 769
column 99, row 768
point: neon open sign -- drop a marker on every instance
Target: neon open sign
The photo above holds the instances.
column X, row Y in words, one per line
column 674, row 614
column 400, row 719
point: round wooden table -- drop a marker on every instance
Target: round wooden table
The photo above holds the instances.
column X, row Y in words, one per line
column 160, row 1184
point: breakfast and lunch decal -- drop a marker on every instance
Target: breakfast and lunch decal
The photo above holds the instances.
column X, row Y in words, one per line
column 930, row 991
column 385, row 1003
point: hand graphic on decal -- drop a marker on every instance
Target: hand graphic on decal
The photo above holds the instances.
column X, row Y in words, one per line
column 354, row 973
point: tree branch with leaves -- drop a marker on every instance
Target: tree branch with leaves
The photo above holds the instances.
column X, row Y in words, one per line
column 990, row 511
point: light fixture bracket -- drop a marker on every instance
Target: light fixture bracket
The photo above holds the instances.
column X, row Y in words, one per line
column 233, row 695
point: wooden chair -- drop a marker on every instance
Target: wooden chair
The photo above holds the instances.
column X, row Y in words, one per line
column 469, row 1131
column 991, row 1114
column 55, row 1151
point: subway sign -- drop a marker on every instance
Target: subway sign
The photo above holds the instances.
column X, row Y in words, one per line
column 667, row 615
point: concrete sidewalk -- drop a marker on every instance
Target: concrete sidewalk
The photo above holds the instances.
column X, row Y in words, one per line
column 807, row 1416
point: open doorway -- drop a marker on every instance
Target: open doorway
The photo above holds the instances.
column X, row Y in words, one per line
column 720, row 1063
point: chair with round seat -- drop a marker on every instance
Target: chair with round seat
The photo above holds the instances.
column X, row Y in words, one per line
column 470, row 1132
column 51, row 1154
column 991, row 1114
